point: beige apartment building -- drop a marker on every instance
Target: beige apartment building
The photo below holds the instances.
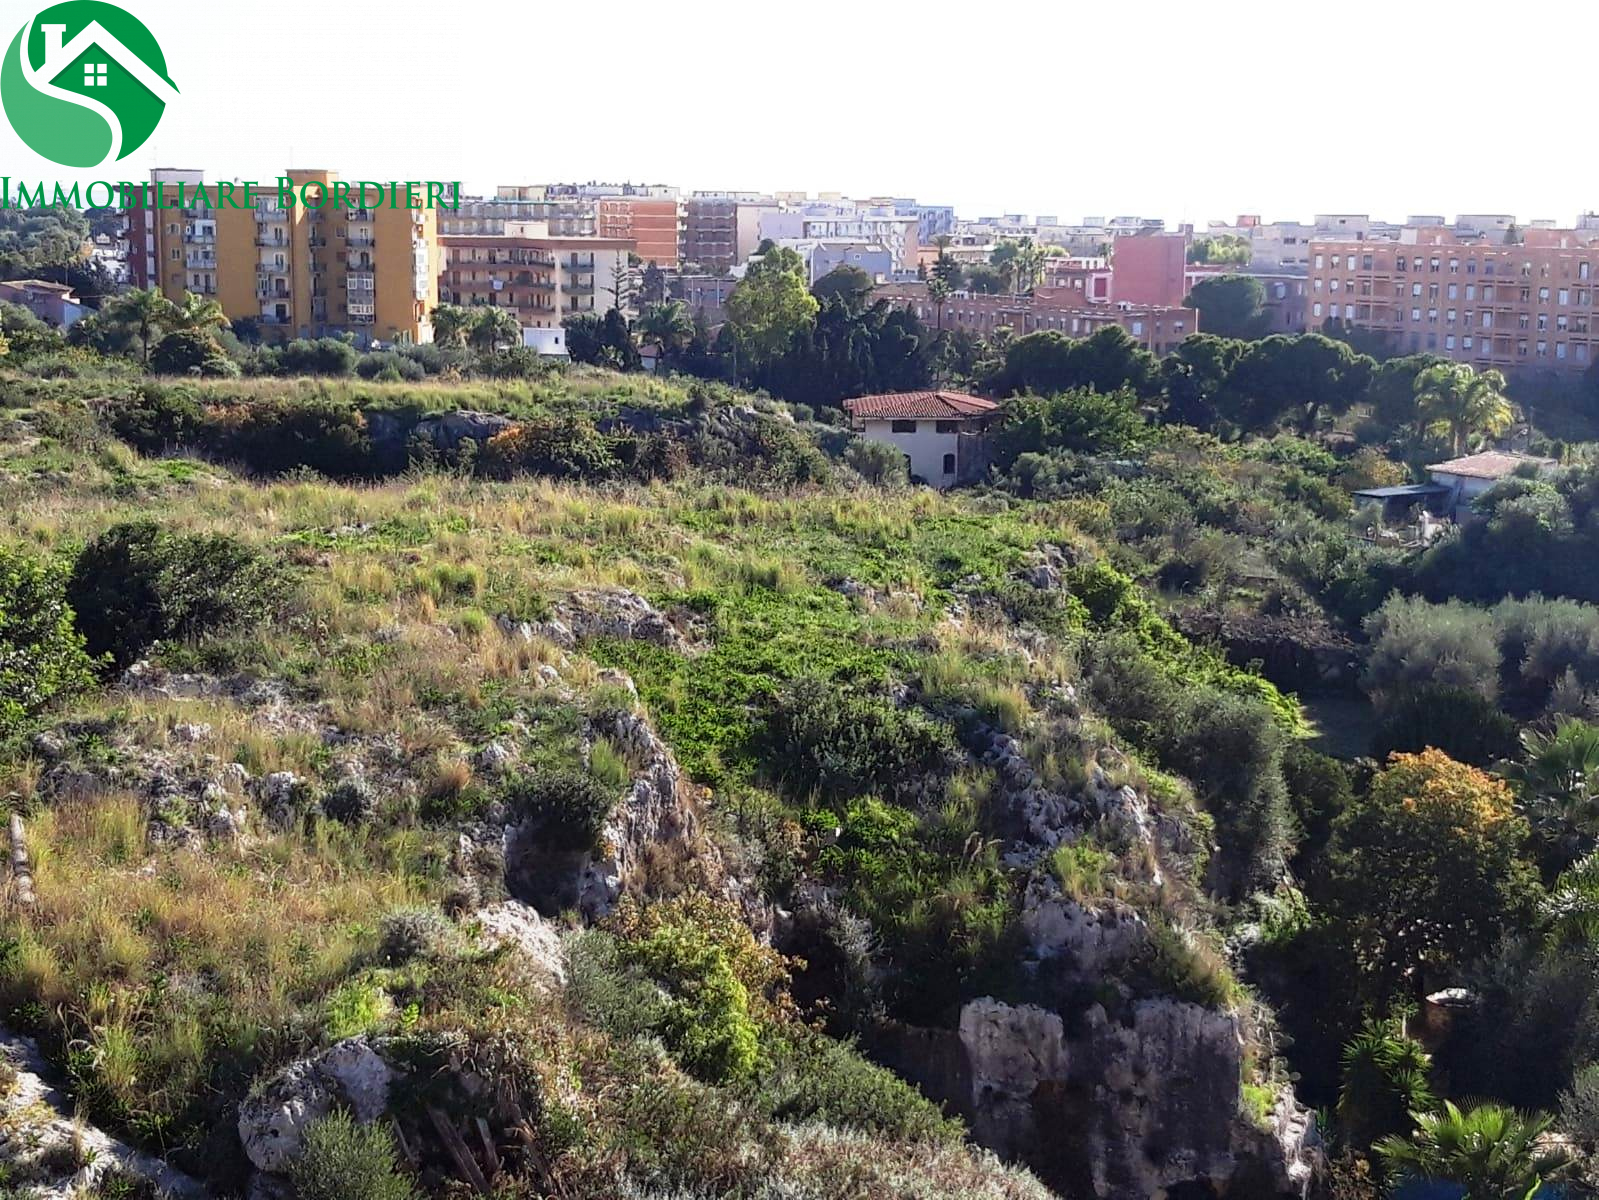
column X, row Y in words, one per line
column 541, row 280
column 1526, row 305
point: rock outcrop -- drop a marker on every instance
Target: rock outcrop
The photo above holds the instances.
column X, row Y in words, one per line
column 273, row 1121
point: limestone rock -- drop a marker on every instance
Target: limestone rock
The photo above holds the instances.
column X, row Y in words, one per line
column 272, row 1122
column 513, row 924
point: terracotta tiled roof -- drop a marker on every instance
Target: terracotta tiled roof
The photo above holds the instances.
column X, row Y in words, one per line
column 928, row 405
column 1491, row 464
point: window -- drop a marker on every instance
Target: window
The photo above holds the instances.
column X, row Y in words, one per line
column 94, row 74
column 949, row 464
column 903, row 426
column 948, row 427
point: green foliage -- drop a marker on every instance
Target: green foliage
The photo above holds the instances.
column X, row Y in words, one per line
column 42, row 657
column 157, row 417
column 190, row 352
column 879, row 463
column 1385, row 1080
column 1080, row 869
column 355, row 1008
column 322, row 356
column 816, row 741
column 347, row 1161
column 1082, row 421
column 1463, row 723
column 1414, row 643
column 1187, row 965
column 1230, row 306
column 138, row 584
column 1492, row 1152
column 567, row 806
column 1106, row 361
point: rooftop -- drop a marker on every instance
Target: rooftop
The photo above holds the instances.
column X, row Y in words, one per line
column 928, row 405
column 1491, row 464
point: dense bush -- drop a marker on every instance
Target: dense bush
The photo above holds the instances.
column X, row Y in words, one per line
column 157, row 417
column 346, row 1161
column 818, row 739
column 1464, row 724
column 191, row 352
column 568, row 807
column 1082, row 420
column 324, row 356
column 138, row 584
column 879, row 463
column 41, row 655
column 1414, row 643
column 388, row 366
column 560, row 448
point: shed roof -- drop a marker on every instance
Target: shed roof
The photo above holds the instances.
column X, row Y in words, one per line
column 1490, row 464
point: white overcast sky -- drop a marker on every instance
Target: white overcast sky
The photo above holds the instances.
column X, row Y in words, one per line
column 1188, row 111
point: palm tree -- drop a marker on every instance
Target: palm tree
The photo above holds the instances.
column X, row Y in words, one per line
column 1572, row 909
column 196, row 312
column 493, row 327
column 1493, row 1152
column 1384, row 1079
column 666, row 326
column 1455, row 401
column 148, row 311
column 450, row 323
column 1558, row 778
column 938, row 291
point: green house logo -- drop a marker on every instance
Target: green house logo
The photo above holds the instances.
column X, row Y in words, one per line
column 84, row 83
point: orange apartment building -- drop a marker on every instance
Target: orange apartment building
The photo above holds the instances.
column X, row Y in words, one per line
column 1529, row 305
column 541, row 280
column 654, row 226
column 1157, row 328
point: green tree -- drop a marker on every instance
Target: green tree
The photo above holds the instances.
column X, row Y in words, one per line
column 1384, row 1080
column 850, row 284
column 1081, row 420
column 147, row 313
column 190, row 351
column 939, row 292
column 1558, row 780
column 1230, row 306
column 1493, row 1152
column 1305, row 376
column 450, row 324
column 1047, row 362
column 770, row 305
column 42, row 657
column 1193, row 376
column 1426, row 870
column 493, row 328
column 196, row 312
column 1457, row 402
column 666, row 326
column 1224, row 249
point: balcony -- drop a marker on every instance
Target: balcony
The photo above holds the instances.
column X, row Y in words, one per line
column 265, row 214
column 578, row 264
column 281, row 243
column 200, row 264
column 580, row 289
column 362, row 240
column 271, row 271
column 265, row 291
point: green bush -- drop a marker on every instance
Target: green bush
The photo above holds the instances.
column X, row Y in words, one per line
column 707, row 1021
column 324, row 356
column 820, row 738
column 157, row 417
column 41, row 654
column 813, row 1078
column 389, row 366
column 1415, row 643
column 560, row 448
column 567, row 806
column 190, row 352
column 1463, row 723
column 323, row 435
column 346, row 1161
column 879, row 463
column 138, row 584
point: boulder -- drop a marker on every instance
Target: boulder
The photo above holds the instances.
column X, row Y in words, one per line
column 273, row 1121
column 520, row 927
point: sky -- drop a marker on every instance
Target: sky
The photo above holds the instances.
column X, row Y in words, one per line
column 1191, row 110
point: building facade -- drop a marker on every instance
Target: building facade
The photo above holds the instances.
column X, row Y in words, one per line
column 1512, row 307
column 710, row 233
column 1149, row 269
column 940, row 433
column 296, row 272
column 652, row 224
column 541, row 281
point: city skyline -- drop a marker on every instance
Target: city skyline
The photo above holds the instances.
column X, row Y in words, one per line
column 1180, row 118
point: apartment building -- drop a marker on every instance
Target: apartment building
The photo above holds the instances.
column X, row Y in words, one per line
column 1528, row 305
column 710, row 233
column 1150, row 269
column 652, row 224
column 1157, row 328
column 563, row 216
column 844, row 222
column 294, row 272
column 541, row 280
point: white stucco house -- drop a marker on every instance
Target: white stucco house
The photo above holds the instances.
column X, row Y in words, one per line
column 940, row 433
column 1471, row 476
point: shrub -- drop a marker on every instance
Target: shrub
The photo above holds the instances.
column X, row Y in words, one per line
column 190, row 352
column 1084, row 421
column 1080, row 869
column 415, row 933
column 1464, row 724
column 346, row 1161
column 560, row 448
column 820, row 738
column 567, row 806
column 1415, row 643
column 320, row 434
column 324, row 356
column 41, row 654
column 138, row 584
column 879, row 463
column 156, row 417
column 1384, row 1081
column 1189, row 966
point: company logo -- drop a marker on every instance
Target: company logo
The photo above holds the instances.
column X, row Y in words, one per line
column 84, row 83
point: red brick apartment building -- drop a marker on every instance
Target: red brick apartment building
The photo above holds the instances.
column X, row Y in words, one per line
column 652, row 225
column 1530, row 305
